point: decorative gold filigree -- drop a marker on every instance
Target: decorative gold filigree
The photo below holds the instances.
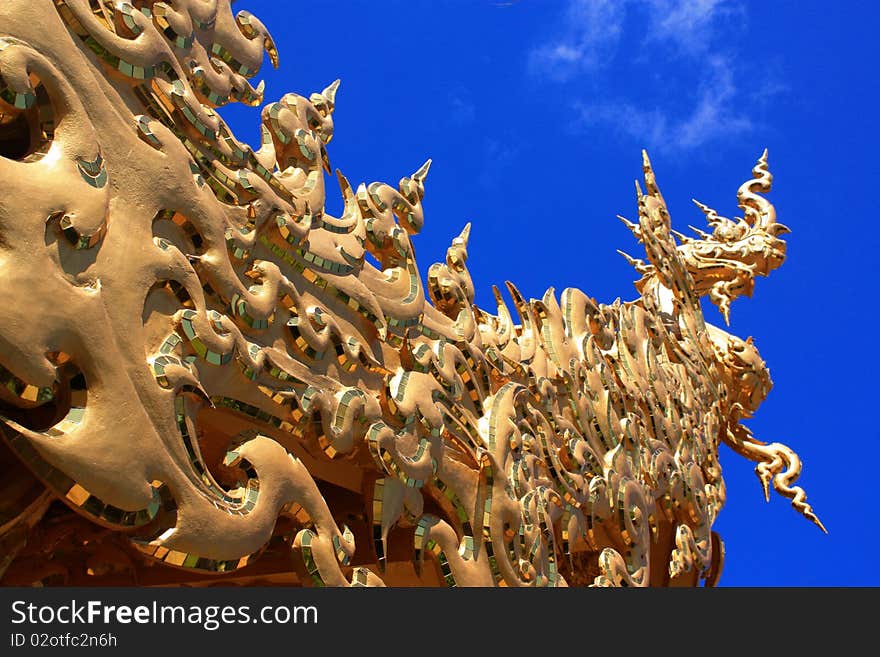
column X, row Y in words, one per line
column 200, row 360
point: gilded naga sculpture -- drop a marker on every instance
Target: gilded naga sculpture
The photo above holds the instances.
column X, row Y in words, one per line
column 206, row 380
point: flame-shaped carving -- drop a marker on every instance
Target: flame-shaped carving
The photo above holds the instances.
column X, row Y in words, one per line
column 207, row 370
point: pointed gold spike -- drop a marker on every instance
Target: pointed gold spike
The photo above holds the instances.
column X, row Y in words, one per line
column 260, row 89
column 703, row 207
column 650, row 179
column 684, row 239
column 344, row 185
column 518, row 299
column 271, row 49
column 497, row 294
column 701, row 234
column 777, row 229
column 634, row 228
column 330, row 92
column 712, row 217
column 422, row 171
column 465, row 234
column 636, row 263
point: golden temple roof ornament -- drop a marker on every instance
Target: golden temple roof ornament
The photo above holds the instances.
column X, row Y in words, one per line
column 205, row 368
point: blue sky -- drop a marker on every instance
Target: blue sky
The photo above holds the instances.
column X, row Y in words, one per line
column 535, row 111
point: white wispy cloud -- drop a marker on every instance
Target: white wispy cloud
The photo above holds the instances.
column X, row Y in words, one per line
column 461, row 108
column 590, row 35
column 498, row 155
column 712, row 114
column 688, row 24
column 680, row 34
